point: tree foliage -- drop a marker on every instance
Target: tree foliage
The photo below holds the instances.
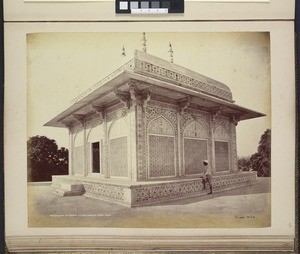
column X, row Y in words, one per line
column 261, row 160
column 45, row 159
column 244, row 164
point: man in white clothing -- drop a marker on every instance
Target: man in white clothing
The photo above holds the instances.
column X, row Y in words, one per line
column 207, row 176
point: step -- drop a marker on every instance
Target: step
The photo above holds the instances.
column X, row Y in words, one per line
column 66, row 189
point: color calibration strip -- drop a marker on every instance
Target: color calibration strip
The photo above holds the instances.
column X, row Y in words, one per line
column 149, row 6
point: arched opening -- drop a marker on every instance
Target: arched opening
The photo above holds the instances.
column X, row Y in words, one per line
column 195, row 150
column 222, row 151
column 161, row 148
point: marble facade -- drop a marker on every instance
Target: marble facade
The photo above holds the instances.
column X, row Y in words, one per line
column 139, row 135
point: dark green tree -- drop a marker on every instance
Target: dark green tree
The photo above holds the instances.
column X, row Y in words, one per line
column 244, row 163
column 261, row 160
column 45, row 159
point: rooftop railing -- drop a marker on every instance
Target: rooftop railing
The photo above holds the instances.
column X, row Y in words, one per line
column 127, row 66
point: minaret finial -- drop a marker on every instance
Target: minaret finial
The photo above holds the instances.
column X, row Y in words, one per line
column 144, row 43
column 171, row 52
column 123, row 51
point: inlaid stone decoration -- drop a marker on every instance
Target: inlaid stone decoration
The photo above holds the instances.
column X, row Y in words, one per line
column 140, row 135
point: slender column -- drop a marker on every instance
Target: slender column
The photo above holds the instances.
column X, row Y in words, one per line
column 233, row 150
column 179, row 173
column 80, row 119
column 85, row 152
column 71, row 149
column 105, row 147
column 133, row 140
column 212, row 131
column 182, row 106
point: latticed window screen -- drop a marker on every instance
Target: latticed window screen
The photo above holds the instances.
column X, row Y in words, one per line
column 222, row 156
column 161, row 156
column 118, row 157
column 96, row 157
column 195, row 151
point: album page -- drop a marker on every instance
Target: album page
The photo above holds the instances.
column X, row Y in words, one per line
column 149, row 136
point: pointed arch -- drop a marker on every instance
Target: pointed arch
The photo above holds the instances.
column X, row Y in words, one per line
column 221, row 134
column 161, row 148
column 222, row 149
column 195, row 130
column 161, row 126
column 118, row 128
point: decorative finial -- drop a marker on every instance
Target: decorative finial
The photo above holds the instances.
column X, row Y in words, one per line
column 171, row 52
column 123, row 51
column 144, row 43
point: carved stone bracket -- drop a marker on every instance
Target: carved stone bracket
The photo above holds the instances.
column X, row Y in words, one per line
column 146, row 97
column 183, row 104
column 134, row 97
column 67, row 124
column 124, row 98
column 99, row 110
column 215, row 112
column 79, row 118
column 235, row 119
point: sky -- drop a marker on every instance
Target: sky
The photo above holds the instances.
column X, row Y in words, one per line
column 60, row 66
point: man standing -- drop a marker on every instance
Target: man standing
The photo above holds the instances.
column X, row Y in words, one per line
column 207, row 175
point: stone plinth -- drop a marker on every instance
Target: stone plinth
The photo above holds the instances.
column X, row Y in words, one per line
column 150, row 192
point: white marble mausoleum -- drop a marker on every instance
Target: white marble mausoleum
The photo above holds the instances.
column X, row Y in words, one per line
column 139, row 136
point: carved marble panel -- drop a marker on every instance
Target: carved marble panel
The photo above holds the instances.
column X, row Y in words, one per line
column 222, row 121
column 234, row 158
column 98, row 190
column 194, row 124
column 118, row 159
column 141, row 143
column 161, row 156
column 160, row 110
column 222, row 156
column 191, row 115
column 78, row 160
column 156, row 109
column 195, row 151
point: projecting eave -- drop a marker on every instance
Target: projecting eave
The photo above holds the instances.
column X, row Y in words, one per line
column 101, row 96
column 105, row 95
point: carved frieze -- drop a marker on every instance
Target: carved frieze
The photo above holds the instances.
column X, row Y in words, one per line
column 181, row 79
column 147, row 194
column 99, row 190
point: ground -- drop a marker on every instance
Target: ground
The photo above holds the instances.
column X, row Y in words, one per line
column 242, row 207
